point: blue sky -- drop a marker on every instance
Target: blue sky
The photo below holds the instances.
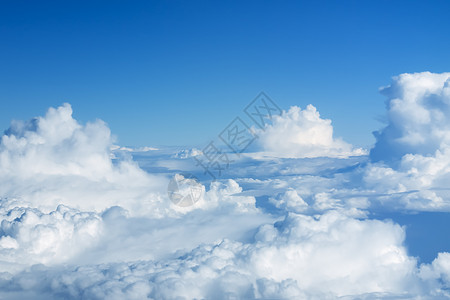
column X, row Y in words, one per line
column 177, row 72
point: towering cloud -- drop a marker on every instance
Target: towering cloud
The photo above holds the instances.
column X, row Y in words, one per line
column 418, row 107
column 301, row 133
column 412, row 152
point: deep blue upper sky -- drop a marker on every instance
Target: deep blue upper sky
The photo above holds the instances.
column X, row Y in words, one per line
column 177, row 72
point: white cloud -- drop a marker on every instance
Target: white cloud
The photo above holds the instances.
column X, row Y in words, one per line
column 36, row 237
column 303, row 133
column 290, row 201
column 55, row 160
column 412, row 152
column 417, row 114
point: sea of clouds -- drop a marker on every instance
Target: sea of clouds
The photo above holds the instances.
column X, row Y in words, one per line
column 82, row 218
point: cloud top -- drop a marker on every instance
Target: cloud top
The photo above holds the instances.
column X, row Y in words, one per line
column 54, row 160
column 303, row 133
column 418, row 106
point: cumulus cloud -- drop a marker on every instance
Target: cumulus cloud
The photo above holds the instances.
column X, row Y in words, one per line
column 411, row 155
column 417, row 115
column 54, row 160
column 303, row 133
column 29, row 236
column 322, row 253
column 290, row 201
column 437, row 274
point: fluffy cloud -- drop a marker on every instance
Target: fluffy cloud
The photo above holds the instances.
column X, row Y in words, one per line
column 334, row 255
column 29, row 236
column 290, row 201
column 303, row 133
column 437, row 274
column 417, row 114
column 55, row 160
column 411, row 155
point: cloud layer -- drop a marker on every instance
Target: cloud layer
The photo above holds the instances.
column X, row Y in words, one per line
column 300, row 257
column 84, row 218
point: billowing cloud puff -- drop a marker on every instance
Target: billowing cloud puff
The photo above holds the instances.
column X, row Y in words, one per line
column 333, row 255
column 29, row 236
column 55, row 160
column 303, row 133
column 413, row 150
column 418, row 106
column 290, row 201
column 437, row 274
